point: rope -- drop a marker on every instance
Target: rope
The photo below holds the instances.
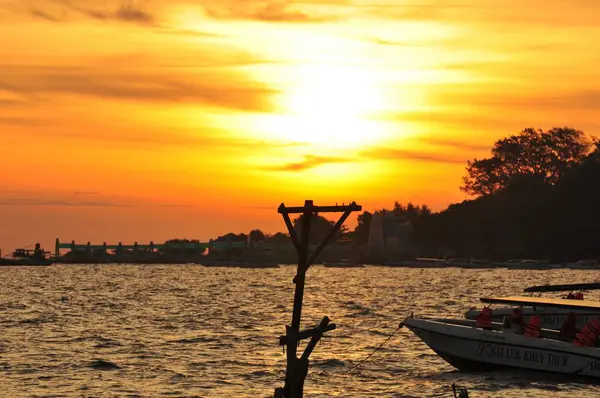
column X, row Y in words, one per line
column 348, row 335
column 372, row 353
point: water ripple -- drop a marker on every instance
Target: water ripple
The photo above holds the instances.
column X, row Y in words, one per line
column 190, row 331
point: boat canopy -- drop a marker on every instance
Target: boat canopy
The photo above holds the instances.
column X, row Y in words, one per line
column 563, row 288
column 544, row 302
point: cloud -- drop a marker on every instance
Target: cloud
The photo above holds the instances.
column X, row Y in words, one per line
column 9, row 102
column 95, row 13
column 456, row 144
column 259, row 207
column 415, row 12
column 86, row 193
column 203, row 139
column 385, row 42
column 190, row 33
column 159, row 140
column 225, row 89
column 471, row 128
column 129, row 12
column 126, row 11
column 269, row 11
column 503, row 98
column 64, row 199
column 309, row 162
column 378, row 153
column 44, row 15
column 388, row 153
column 589, row 99
column 257, row 10
column 487, row 12
column 21, row 121
column 10, row 99
column 208, row 60
column 37, row 201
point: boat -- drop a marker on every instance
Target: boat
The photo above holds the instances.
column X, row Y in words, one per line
column 26, row 257
column 552, row 317
column 470, row 346
column 563, row 288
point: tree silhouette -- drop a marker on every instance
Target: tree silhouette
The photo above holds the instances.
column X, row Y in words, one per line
column 576, row 211
column 233, row 237
column 280, row 238
column 530, row 156
column 360, row 234
column 256, row 235
column 320, row 228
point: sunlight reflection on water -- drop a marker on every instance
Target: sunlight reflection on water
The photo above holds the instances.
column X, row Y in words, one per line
column 153, row 331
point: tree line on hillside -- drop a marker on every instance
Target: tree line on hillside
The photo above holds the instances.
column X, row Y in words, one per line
column 536, row 196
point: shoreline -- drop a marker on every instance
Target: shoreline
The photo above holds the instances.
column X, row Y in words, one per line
column 272, row 265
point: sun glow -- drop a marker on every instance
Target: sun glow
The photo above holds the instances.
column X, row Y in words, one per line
column 329, row 105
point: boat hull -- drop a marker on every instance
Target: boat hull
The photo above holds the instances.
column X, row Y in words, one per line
column 468, row 349
column 552, row 318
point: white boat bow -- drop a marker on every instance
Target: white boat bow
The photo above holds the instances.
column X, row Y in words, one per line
column 469, row 348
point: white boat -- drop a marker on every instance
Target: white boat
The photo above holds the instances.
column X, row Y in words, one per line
column 467, row 347
column 552, row 317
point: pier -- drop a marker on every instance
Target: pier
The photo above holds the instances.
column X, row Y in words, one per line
column 152, row 247
column 170, row 251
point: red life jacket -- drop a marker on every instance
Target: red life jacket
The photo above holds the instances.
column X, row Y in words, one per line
column 589, row 334
column 484, row 319
column 534, row 328
column 568, row 328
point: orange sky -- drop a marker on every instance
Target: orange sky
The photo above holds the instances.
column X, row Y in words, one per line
column 157, row 119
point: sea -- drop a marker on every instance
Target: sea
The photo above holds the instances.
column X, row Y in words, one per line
column 191, row 331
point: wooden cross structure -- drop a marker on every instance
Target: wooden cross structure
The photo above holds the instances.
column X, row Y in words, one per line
column 297, row 368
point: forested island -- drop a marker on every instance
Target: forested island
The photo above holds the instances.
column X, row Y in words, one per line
column 536, row 196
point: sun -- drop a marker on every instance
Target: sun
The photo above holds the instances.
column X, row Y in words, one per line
column 329, row 105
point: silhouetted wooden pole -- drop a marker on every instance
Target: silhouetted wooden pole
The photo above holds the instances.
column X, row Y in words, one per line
column 297, row 368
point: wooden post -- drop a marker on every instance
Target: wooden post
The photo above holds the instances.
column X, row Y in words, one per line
column 297, row 368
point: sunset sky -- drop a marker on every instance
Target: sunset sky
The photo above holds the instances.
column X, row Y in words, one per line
column 157, row 119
